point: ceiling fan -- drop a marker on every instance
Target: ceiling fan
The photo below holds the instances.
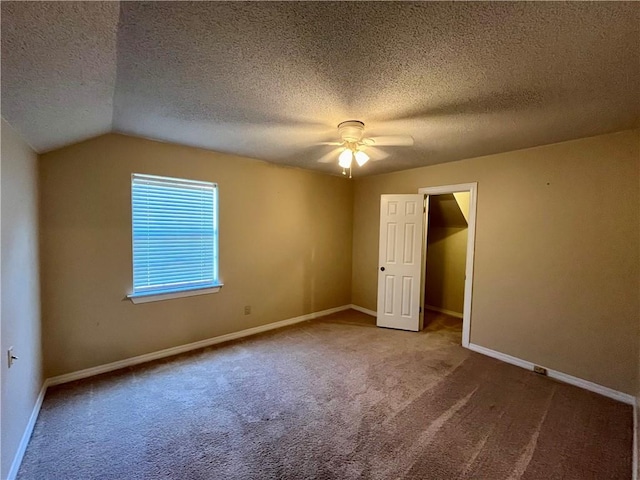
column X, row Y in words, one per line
column 353, row 143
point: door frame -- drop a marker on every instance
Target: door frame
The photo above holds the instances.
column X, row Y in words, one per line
column 472, row 188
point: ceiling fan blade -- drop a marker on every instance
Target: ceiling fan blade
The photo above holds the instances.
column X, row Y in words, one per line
column 375, row 153
column 329, row 143
column 392, row 141
column 331, row 156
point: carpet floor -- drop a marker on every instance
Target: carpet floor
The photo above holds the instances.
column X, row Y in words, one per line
column 333, row 398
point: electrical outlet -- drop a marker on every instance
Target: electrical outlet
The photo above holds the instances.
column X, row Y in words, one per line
column 539, row 370
column 10, row 357
column 247, row 310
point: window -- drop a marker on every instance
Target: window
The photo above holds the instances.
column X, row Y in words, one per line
column 175, row 237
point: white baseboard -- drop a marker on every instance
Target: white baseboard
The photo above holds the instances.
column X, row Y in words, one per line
column 168, row 352
column 89, row 372
column 26, row 436
column 442, row 310
column 634, row 454
column 363, row 310
column 563, row 377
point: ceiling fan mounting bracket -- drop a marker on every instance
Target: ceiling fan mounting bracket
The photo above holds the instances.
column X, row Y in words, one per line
column 351, row 131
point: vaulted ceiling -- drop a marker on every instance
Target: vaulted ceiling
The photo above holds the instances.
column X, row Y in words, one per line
column 272, row 80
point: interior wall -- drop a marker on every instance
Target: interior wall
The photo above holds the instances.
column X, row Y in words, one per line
column 285, row 249
column 637, row 422
column 463, row 199
column 556, row 272
column 20, row 290
column 446, row 261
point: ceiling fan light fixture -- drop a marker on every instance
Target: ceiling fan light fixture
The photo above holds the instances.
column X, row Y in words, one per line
column 361, row 158
column 352, row 142
column 345, row 158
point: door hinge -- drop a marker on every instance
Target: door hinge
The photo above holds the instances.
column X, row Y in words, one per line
column 420, row 310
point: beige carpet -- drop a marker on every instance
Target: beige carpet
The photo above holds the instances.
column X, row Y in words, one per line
column 335, row 398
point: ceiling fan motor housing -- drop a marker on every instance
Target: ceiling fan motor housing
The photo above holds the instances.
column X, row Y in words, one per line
column 351, row 131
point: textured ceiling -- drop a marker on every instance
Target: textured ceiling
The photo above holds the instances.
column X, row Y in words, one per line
column 58, row 70
column 271, row 80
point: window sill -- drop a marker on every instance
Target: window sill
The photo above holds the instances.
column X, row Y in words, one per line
column 157, row 297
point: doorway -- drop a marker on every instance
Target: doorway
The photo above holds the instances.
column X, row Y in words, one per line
column 449, row 240
column 447, row 227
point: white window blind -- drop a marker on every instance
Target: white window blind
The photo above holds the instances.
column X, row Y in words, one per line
column 175, row 234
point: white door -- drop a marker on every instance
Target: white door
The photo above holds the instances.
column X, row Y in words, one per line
column 400, row 261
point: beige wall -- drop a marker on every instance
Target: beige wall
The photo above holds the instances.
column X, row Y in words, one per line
column 446, row 261
column 556, row 275
column 20, row 290
column 637, row 426
column 463, row 199
column 285, row 249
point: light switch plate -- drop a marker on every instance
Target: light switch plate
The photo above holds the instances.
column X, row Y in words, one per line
column 10, row 357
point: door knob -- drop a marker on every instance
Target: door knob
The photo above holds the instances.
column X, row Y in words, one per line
column 382, row 269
